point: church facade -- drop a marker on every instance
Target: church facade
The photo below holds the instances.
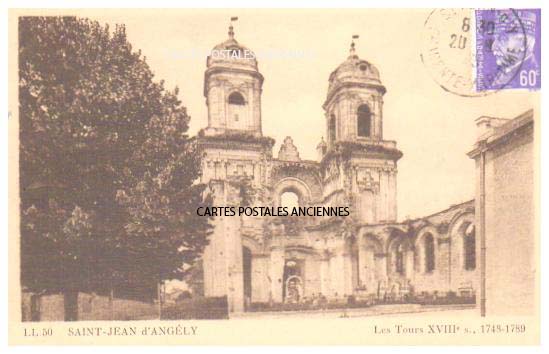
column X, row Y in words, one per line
column 369, row 254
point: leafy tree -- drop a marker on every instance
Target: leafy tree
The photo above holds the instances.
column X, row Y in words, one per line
column 107, row 172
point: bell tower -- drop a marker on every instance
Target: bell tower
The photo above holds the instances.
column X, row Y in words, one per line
column 354, row 104
column 233, row 150
column 232, row 88
column 360, row 166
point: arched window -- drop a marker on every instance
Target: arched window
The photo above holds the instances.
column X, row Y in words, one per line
column 237, row 99
column 289, row 199
column 429, row 247
column 363, row 121
column 399, row 259
column 237, row 111
column 332, row 128
column 469, row 248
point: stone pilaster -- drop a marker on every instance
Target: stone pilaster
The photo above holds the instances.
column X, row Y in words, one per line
column 277, row 273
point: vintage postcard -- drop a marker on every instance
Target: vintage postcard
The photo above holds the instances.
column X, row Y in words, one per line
column 274, row 176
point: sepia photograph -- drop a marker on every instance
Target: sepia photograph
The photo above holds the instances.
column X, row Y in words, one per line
column 172, row 171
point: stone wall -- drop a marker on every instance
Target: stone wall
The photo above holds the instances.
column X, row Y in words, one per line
column 51, row 307
column 447, row 230
column 510, row 220
column 90, row 307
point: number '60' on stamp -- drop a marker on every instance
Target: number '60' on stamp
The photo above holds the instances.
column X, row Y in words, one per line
column 508, row 49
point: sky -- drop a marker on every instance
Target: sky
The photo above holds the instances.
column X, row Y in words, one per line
column 297, row 50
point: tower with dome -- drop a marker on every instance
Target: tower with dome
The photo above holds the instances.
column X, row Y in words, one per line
column 259, row 262
column 232, row 87
column 357, row 157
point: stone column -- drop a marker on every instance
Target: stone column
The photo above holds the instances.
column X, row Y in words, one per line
column 392, row 195
column 214, row 258
column 442, row 261
column 277, row 273
column 225, row 167
column 250, row 123
column 347, row 274
column 373, row 117
column 257, row 107
column 256, row 173
column 233, row 254
column 337, row 274
column 382, row 265
column 363, row 265
column 409, row 264
column 312, row 276
column 260, row 282
column 382, row 196
column 325, row 286
column 367, row 271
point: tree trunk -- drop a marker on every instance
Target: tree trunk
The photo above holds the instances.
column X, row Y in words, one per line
column 159, row 298
column 70, row 298
column 111, row 303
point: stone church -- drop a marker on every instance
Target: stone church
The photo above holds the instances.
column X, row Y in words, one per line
column 279, row 260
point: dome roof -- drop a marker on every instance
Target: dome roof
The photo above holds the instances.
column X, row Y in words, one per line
column 230, row 43
column 353, row 73
column 355, row 70
column 232, row 54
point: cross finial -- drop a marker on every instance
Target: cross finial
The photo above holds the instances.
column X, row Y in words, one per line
column 352, row 50
column 231, row 28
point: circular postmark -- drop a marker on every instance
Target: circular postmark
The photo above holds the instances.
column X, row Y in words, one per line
column 458, row 42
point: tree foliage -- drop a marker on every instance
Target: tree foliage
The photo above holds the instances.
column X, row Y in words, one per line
column 107, row 172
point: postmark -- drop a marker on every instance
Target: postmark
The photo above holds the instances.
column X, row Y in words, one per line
column 449, row 52
column 508, row 49
column 446, row 50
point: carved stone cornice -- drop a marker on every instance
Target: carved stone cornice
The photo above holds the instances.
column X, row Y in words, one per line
column 236, row 140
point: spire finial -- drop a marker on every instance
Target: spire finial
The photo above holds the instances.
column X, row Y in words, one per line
column 231, row 28
column 352, row 50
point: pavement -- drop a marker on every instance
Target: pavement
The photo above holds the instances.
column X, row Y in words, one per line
column 378, row 310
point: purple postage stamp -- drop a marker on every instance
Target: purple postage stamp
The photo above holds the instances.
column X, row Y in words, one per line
column 508, row 49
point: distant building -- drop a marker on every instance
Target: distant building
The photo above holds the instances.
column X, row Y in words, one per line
column 275, row 260
column 505, row 219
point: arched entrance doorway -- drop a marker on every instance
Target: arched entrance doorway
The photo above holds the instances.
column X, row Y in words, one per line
column 247, row 275
column 294, row 289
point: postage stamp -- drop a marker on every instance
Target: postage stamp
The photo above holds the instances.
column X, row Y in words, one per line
column 508, row 49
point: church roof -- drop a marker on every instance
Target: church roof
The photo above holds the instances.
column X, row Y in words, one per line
column 230, row 44
column 354, row 69
column 232, row 53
